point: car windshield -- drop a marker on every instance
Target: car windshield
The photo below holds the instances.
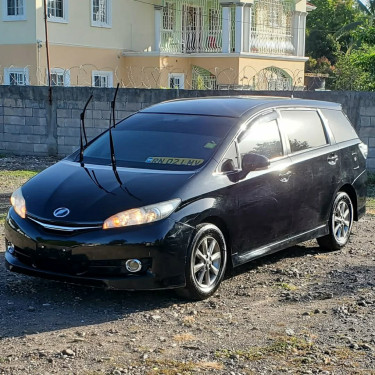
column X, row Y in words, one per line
column 161, row 141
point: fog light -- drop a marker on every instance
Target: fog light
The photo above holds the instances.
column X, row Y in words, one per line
column 10, row 248
column 133, row 265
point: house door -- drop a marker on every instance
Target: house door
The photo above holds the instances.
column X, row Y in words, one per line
column 191, row 28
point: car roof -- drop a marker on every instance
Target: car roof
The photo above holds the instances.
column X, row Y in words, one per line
column 232, row 106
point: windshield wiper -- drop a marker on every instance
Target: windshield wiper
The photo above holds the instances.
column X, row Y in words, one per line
column 82, row 132
column 112, row 117
column 113, row 157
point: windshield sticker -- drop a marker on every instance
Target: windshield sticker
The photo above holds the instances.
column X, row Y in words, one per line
column 210, row 145
column 174, row 161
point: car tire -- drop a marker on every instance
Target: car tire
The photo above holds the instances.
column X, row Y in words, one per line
column 205, row 264
column 340, row 223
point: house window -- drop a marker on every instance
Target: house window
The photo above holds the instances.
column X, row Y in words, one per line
column 14, row 10
column 176, row 80
column 102, row 79
column 16, row 76
column 57, row 10
column 60, row 77
column 101, row 13
column 169, row 15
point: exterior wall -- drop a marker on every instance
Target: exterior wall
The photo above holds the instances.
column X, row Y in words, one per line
column 19, row 56
column 80, row 61
column 19, row 32
column 132, row 27
column 230, row 69
column 250, row 67
column 32, row 125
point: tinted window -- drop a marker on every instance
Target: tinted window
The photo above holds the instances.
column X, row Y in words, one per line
column 304, row 129
column 341, row 128
column 230, row 160
column 262, row 138
column 161, row 141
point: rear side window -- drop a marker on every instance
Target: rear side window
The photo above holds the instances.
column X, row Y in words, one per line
column 304, row 129
column 341, row 128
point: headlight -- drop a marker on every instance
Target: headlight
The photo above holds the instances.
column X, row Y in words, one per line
column 18, row 202
column 142, row 215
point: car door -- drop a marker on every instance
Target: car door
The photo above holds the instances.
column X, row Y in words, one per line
column 264, row 196
column 315, row 167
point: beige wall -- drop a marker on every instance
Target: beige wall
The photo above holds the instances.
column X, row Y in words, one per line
column 18, row 32
column 80, row 62
column 143, row 71
column 19, row 56
column 132, row 26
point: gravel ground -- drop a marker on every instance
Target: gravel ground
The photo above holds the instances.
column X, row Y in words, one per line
column 301, row 311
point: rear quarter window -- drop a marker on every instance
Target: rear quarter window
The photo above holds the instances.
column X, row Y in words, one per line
column 304, row 129
column 339, row 124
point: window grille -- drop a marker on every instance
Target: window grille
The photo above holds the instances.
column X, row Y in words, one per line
column 56, row 8
column 17, row 79
column 191, row 26
column 271, row 31
column 203, row 79
column 169, row 16
column 100, row 11
column 273, row 79
column 102, row 79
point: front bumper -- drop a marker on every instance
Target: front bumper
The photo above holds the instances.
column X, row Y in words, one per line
column 97, row 257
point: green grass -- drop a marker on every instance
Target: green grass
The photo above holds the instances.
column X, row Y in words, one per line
column 277, row 348
column 11, row 180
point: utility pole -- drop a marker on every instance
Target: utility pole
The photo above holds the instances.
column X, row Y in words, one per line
column 47, row 50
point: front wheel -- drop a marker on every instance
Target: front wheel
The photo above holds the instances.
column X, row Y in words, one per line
column 340, row 223
column 206, row 262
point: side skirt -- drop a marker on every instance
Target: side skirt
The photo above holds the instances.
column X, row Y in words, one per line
column 277, row 246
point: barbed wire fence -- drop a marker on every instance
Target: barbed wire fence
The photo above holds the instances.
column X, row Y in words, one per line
column 249, row 78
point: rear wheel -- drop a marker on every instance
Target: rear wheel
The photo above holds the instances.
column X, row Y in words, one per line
column 340, row 223
column 206, row 262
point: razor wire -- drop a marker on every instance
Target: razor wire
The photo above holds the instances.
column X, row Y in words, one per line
column 213, row 77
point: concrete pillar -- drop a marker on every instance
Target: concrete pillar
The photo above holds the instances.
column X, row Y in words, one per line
column 247, row 28
column 226, row 25
column 239, row 28
column 302, row 32
column 158, row 24
column 299, row 33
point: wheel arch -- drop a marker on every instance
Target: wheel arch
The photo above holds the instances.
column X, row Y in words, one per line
column 349, row 189
column 220, row 223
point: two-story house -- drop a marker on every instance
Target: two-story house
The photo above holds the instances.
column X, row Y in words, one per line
column 198, row 44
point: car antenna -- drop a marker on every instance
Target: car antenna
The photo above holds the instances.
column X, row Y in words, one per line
column 82, row 131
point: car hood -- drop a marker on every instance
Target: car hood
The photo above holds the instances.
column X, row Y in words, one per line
column 93, row 193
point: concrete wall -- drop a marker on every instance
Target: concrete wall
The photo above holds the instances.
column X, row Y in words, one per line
column 31, row 124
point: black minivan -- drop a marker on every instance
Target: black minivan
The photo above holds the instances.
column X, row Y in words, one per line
column 171, row 195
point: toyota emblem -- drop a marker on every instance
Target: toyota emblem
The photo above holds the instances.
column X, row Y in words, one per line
column 61, row 212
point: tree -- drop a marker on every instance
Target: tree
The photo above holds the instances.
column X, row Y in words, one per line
column 356, row 70
column 331, row 27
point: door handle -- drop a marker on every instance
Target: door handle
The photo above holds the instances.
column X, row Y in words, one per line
column 332, row 159
column 284, row 177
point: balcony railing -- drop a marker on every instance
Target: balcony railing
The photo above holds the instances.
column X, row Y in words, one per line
column 191, row 41
column 271, row 43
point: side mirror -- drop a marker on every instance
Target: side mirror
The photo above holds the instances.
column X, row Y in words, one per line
column 254, row 162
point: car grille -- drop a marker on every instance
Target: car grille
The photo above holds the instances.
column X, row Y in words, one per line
column 64, row 229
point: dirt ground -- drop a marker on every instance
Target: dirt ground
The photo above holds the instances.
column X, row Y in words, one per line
column 300, row 311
